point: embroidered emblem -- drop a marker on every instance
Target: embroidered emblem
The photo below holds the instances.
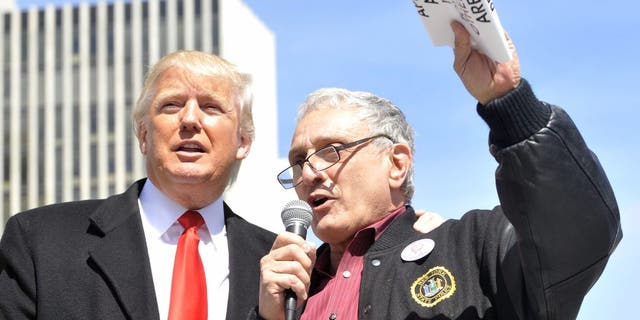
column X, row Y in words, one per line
column 432, row 287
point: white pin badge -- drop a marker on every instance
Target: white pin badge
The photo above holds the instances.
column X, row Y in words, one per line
column 417, row 249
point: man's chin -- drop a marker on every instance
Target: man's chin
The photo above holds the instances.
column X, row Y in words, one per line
column 189, row 174
column 330, row 232
column 191, row 178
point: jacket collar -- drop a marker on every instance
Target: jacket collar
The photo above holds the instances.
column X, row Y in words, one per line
column 399, row 232
column 117, row 209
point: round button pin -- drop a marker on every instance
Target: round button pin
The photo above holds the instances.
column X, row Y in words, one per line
column 417, row 249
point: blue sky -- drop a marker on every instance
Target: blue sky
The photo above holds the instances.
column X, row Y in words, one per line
column 582, row 56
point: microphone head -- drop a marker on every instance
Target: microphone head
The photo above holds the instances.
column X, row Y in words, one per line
column 296, row 211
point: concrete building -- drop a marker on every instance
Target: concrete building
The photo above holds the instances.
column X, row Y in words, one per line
column 71, row 74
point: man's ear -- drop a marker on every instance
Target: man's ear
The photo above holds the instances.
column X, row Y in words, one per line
column 401, row 159
column 244, row 147
column 141, row 133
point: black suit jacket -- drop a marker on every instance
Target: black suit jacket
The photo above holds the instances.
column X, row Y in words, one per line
column 88, row 260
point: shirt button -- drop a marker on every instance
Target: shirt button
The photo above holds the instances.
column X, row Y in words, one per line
column 333, row 316
column 346, row 274
column 367, row 309
column 375, row 262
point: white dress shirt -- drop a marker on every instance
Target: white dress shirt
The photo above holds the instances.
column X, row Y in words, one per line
column 162, row 231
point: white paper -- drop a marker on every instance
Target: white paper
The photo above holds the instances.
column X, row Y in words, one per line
column 478, row 16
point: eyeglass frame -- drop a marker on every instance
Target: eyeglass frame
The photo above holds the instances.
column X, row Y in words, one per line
column 336, row 149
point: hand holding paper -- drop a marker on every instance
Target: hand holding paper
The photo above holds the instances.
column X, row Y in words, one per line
column 484, row 78
column 485, row 59
column 479, row 17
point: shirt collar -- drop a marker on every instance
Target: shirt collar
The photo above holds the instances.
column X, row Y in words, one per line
column 361, row 242
column 161, row 212
column 382, row 225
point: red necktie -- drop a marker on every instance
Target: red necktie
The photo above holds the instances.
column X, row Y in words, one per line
column 188, row 286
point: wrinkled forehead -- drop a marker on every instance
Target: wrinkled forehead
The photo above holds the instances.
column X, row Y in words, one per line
column 322, row 126
column 180, row 80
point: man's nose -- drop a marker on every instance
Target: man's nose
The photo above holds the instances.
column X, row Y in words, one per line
column 309, row 174
column 191, row 116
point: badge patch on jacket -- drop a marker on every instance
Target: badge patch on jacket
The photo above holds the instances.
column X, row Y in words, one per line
column 432, row 287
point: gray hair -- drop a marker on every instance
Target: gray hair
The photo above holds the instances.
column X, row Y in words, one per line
column 205, row 64
column 380, row 115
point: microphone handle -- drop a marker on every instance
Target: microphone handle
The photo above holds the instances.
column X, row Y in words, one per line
column 298, row 228
column 289, row 305
column 290, row 299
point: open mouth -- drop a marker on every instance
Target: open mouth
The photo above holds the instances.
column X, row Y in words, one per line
column 318, row 201
column 190, row 147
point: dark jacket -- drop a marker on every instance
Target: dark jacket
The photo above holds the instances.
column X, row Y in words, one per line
column 533, row 257
column 88, row 260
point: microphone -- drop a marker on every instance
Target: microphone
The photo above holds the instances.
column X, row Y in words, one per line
column 296, row 217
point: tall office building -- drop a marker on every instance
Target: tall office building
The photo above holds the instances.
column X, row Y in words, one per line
column 71, row 74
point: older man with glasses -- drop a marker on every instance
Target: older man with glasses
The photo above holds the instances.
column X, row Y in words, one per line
column 533, row 257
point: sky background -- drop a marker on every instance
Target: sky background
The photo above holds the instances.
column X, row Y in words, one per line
column 581, row 55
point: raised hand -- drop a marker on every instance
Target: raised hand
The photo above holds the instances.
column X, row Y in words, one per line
column 484, row 78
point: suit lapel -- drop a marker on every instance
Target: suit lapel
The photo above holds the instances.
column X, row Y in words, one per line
column 121, row 254
column 236, row 264
column 246, row 248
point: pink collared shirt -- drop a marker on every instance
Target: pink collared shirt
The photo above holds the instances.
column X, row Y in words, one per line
column 336, row 295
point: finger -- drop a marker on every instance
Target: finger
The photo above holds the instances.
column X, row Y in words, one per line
column 462, row 46
column 511, row 46
column 287, row 274
column 428, row 221
column 273, row 284
column 301, row 256
column 310, row 249
column 278, row 276
column 287, row 238
column 462, row 37
column 293, row 252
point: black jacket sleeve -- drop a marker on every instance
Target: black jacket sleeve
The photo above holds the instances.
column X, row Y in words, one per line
column 17, row 285
column 555, row 194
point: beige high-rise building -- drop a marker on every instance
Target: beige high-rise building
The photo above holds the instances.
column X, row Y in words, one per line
column 71, row 75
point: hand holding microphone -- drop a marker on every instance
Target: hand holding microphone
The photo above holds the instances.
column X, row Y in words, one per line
column 285, row 272
column 296, row 217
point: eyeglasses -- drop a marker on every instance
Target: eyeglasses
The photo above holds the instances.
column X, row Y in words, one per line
column 320, row 160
